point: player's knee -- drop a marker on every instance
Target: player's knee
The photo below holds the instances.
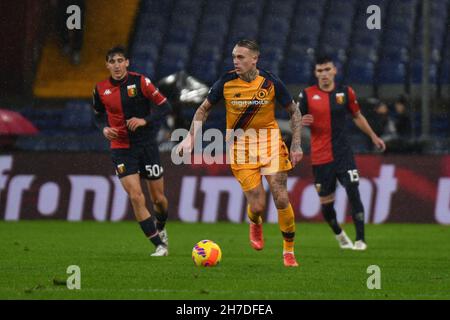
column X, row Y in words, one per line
column 324, row 200
column 281, row 201
column 136, row 197
column 159, row 199
column 257, row 207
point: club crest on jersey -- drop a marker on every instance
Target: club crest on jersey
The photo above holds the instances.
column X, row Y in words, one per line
column 121, row 168
column 132, row 91
column 340, row 97
column 261, row 94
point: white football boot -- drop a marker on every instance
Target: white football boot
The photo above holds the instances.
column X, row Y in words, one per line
column 161, row 251
column 344, row 241
column 164, row 237
column 360, row 245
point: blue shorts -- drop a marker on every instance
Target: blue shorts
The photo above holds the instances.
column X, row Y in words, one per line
column 142, row 159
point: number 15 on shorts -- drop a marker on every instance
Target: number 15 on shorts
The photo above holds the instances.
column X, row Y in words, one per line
column 354, row 175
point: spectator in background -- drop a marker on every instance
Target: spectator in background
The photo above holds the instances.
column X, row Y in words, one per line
column 71, row 41
column 384, row 125
column 402, row 119
column 395, row 130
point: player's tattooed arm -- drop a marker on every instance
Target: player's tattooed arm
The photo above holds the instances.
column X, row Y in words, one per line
column 200, row 116
column 296, row 126
column 296, row 123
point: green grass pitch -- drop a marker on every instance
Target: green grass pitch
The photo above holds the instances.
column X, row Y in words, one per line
column 115, row 264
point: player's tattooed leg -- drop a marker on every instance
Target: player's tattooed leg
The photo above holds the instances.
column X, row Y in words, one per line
column 278, row 188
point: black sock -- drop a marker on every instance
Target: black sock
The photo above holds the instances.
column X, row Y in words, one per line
column 161, row 218
column 357, row 210
column 330, row 216
column 150, row 231
column 358, row 220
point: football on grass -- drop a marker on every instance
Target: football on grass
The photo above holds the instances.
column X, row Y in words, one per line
column 206, row 253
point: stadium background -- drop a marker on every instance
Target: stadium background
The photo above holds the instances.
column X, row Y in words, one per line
column 52, row 88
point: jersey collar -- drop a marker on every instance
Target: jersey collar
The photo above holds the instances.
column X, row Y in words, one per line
column 116, row 83
column 334, row 88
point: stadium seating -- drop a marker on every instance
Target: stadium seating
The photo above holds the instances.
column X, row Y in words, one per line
column 208, row 50
column 363, row 53
column 77, row 115
column 68, row 129
column 106, row 23
column 198, row 37
column 444, row 76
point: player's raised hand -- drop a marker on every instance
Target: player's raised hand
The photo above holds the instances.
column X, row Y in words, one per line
column 110, row 133
column 135, row 123
column 296, row 155
column 379, row 143
column 307, row 120
column 185, row 146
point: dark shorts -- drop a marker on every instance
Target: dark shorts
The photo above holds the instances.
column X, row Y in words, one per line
column 326, row 175
column 142, row 159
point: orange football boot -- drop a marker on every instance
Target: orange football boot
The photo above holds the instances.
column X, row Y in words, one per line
column 289, row 260
column 256, row 236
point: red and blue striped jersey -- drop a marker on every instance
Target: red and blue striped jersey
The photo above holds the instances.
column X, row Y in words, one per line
column 328, row 132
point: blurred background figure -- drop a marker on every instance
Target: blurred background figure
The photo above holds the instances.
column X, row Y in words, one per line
column 402, row 119
column 384, row 125
column 394, row 126
column 70, row 41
